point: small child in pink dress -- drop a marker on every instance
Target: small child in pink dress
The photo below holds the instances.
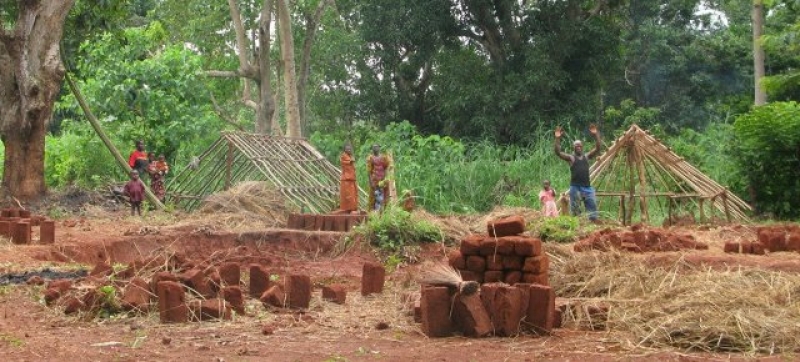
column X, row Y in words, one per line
column 548, row 198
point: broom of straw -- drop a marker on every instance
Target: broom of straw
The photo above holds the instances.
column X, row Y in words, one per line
column 443, row 274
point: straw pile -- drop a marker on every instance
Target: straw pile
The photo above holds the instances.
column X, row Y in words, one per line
column 737, row 310
column 247, row 202
column 456, row 227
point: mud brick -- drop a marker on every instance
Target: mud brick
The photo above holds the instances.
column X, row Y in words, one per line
column 732, row 247
column 13, row 212
column 47, row 232
column 335, row 293
column 512, row 277
column 91, row 300
column 793, row 242
column 5, row 212
column 505, row 245
column 22, row 233
column 532, row 278
column 234, row 296
column 51, row 295
column 72, row 305
column 435, row 311
column 295, row 221
column 197, row 281
column 259, row 280
column 273, row 296
column 777, row 241
column 494, row 262
column 468, row 275
column 508, row 226
column 471, row 245
column 62, row 285
column 101, row 269
column 309, row 221
column 5, row 229
column 493, row 276
column 471, row 317
column 24, row 214
column 512, row 262
column 503, row 304
column 537, row 264
column 163, row 276
column 230, row 273
column 372, row 278
column 298, row 291
column 319, row 222
column 527, row 247
column 746, row 247
column 541, row 308
column 457, row 260
column 136, row 296
column 757, row 248
column 171, row 302
column 340, row 223
column 210, row 309
column 558, row 314
column 488, row 247
column 476, row 264
column 327, row 222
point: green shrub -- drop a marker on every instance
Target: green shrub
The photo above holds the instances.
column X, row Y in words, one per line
column 394, row 228
column 561, row 229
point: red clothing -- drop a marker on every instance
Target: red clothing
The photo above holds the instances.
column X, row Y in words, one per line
column 136, row 155
column 135, row 190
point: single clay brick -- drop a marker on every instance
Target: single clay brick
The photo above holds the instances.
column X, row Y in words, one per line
column 230, row 273
column 162, row 276
column 793, row 242
column 457, row 260
column 731, row 247
column 541, row 308
column 335, row 293
column 327, row 222
column 171, row 303
column 488, row 246
column 471, row 317
column 295, row 221
column 494, row 262
column 471, row 245
column 493, row 276
column 527, row 247
column 746, row 247
column 21, row 233
column 505, row 245
column 468, row 275
column 259, row 280
column 531, row 278
column 512, row 277
column 47, row 232
column 512, row 225
column 197, row 281
column 476, row 264
column 72, row 305
column 777, row 241
column 435, row 311
column 234, row 296
column 512, row 262
column 758, row 248
column 5, row 229
column 504, row 307
column 210, row 309
column 273, row 296
column 536, row 264
column 372, row 279
column 24, row 214
column 298, row 291
column 136, row 296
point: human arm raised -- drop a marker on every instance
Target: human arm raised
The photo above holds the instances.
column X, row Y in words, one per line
column 557, row 146
column 597, row 142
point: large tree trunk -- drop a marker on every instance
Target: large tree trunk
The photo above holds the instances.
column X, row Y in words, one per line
column 31, row 73
column 312, row 23
column 294, row 126
column 266, row 108
column 758, row 52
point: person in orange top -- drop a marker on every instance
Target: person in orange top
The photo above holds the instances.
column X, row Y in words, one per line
column 348, row 189
column 138, row 158
column 378, row 166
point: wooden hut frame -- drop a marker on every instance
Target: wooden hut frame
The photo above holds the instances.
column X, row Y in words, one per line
column 639, row 167
column 291, row 165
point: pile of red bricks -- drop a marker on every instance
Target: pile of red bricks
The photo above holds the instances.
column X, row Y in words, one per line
column 502, row 256
column 498, row 309
column 779, row 237
column 744, row 247
column 638, row 239
column 17, row 225
column 324, row 222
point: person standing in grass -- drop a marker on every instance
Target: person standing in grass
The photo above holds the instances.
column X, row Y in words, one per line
column 580, row 186
column 378, row 166
column 348, row 190
column 548, row 199
column 158, row 170
column 134, row 189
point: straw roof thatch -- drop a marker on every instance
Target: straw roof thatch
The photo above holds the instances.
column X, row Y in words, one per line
column 637, row 167
column 290, row 165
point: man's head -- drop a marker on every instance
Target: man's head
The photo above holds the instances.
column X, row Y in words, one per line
column 578, row 147
column 134, row 175
column 140, row 145
column 376, row 149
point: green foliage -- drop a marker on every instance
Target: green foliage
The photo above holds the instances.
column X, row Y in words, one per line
column 769, row 155
column 395, row 228
column 78, row 157
column 561, row 229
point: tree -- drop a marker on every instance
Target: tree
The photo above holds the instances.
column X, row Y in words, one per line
column 31, row 72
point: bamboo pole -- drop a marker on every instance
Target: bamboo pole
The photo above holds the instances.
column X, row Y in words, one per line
column 117, row 156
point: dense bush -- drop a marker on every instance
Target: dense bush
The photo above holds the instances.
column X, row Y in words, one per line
column 768, row 140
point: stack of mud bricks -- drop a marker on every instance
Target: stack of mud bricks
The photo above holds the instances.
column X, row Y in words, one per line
column 502, row 256
column 498, row 309
column 745, row 247
column 16, row 224
column 324, row 222
column 777, row 238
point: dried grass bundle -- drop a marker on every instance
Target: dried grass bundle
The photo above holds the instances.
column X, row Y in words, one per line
column 443, row 274
column 245, row 203
column 736, row 310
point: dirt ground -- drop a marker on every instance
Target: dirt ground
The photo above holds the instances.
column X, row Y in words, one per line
column 31, row 331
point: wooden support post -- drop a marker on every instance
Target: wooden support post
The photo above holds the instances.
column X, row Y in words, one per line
column 623, row 214
column 642, row 187
column 670, row 201
column 631, row 186
column 228, row 166
column 725, row 205
column 702, row 212
column 117, row 156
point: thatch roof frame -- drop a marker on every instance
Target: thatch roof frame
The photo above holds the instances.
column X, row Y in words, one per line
column 291, row 165
column 638, row 166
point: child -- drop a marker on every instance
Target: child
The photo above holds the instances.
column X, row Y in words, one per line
column 548, row 198
column 135, row 191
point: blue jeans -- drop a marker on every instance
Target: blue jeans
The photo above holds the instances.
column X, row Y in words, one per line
column 576, row 193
